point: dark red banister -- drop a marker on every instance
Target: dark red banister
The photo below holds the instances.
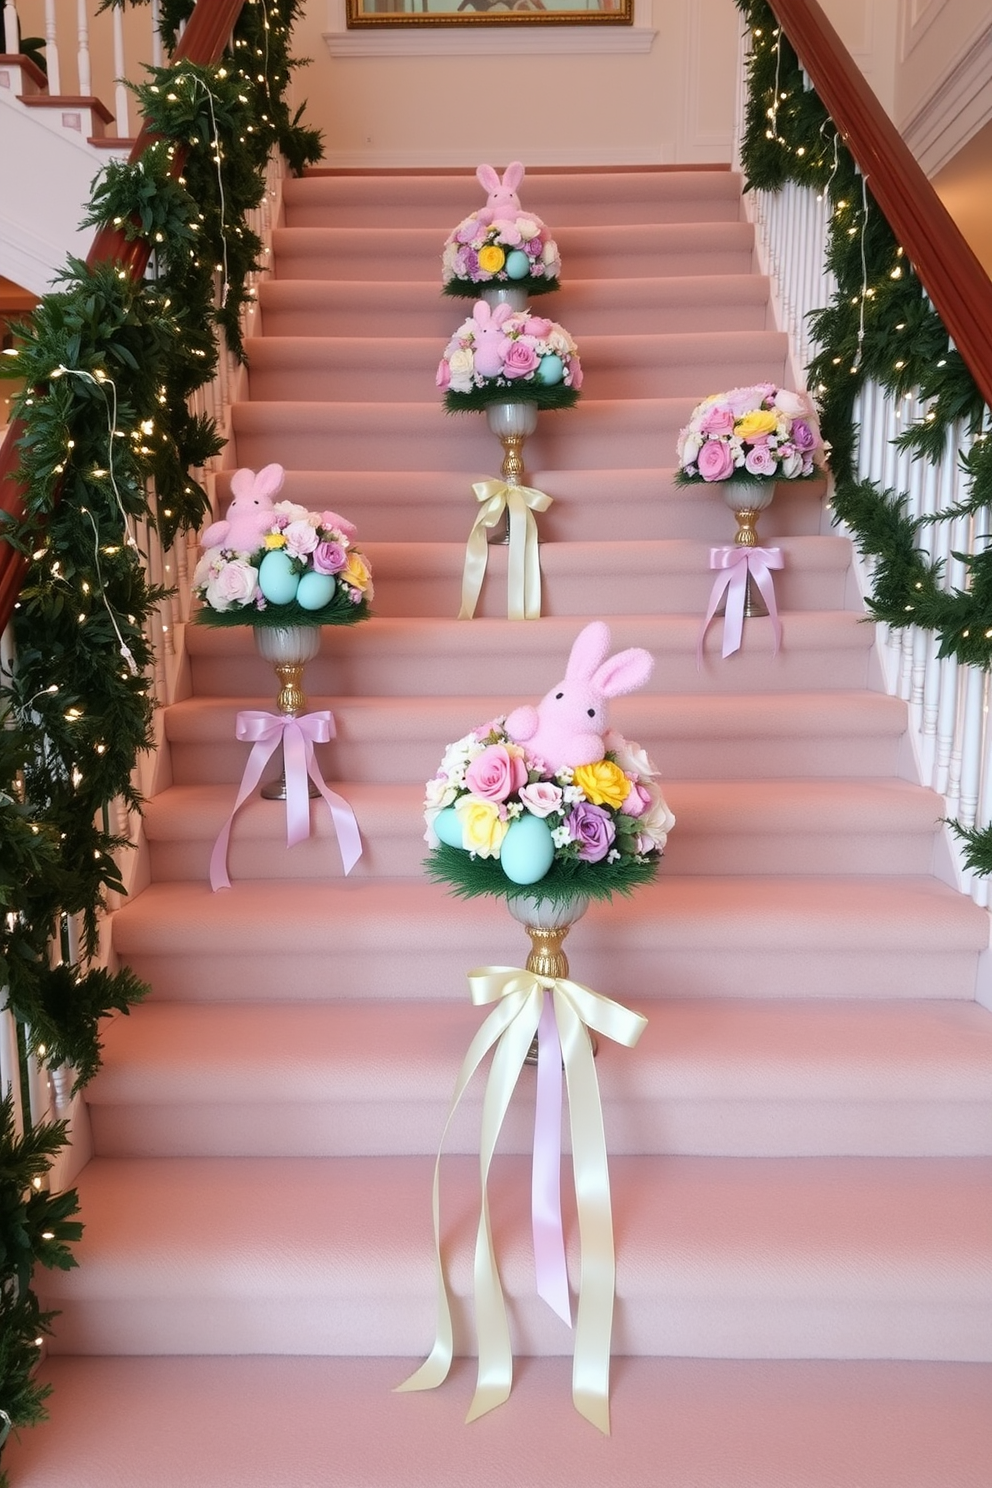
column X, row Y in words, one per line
column 202, row 42
column 957, row 284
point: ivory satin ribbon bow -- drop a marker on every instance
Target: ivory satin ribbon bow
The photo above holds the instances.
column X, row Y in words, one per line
column 523, row 577
column 734, row 565
column 565, row 1011
column 265, row 732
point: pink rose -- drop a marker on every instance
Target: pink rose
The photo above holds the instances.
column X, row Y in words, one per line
column 717, row 420
column 495, row 773
column 574, row 374
column 714, row 461
column 235, row 584
column 519, row 358
column 638, row 800
column 760, row 461
column 301, row 539
column 443, row 378
column 334, row 523
column 329, row 558
column 541, row 797
column 536, row 325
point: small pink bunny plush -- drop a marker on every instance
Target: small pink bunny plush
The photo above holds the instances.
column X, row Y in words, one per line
column 250, row 512
column 568, row 724
column 488, row 335
column 503, row 199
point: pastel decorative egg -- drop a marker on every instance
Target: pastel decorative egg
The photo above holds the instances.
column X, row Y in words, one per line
column 276, row 578
column 448, row 827
column 528, row 850
column 517, row 264
column 550, row 369
column 315, row 590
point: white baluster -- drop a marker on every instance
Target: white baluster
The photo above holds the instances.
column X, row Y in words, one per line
column 156, row 34
column 120, row 68
column 52, row 51
column 83, row 50
column 11, row 28
column 971, row 750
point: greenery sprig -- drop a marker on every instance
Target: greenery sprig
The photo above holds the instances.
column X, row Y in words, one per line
column 469, row 877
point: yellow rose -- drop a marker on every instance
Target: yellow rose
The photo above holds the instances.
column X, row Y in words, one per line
column 758, row 422
column 491, row 258
column 356, row 571
column 482, row 829
column 604, row 784
column 274, row 540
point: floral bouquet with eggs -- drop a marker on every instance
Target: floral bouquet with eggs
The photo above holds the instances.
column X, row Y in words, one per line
column 279, row 564
column 751, row 434
column 517, row 250
column 501, row 355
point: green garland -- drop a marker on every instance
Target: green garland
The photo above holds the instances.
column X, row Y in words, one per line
column 789, row 136
column 108, row 366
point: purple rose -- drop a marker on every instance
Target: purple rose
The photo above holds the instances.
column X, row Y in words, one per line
column 802, row 436
column 592, row 828
column 329, row 558
column 760, row 460
column 519, row 358
column 714, row 461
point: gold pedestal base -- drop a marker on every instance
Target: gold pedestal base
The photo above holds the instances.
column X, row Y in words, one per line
column 549, row 960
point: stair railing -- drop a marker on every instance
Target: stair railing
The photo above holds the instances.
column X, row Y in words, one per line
column 948, row 700
column 92, row 33
column 39, row 1094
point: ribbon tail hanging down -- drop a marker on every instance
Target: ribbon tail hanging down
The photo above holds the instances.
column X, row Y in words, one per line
column 265, row 730
column 549, row 1237
column 734, row 567
column 523, row 579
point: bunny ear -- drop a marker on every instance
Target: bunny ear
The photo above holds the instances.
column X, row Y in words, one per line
column 269, row 480
column 487, row 177
column 502, row 313
column 513, row 175
column 625, row 672
column 481, row 312
column 588, row 650
column 243, row 482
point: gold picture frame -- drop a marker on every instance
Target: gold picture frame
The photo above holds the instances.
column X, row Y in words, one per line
column 384, row 13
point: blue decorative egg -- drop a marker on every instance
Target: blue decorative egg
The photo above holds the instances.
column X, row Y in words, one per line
column 448, row 827
column 517, row 264
column 315, row 590
column 276, row 578
column 528, row 850
column 550, row 369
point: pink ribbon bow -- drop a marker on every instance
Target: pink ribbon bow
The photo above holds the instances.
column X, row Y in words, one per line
column 265, row 732
column 734, row 566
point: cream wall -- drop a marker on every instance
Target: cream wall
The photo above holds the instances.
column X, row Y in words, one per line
column 944, row 76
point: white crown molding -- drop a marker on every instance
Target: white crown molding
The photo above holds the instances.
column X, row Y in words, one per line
column 490, row 41
column 957, row 107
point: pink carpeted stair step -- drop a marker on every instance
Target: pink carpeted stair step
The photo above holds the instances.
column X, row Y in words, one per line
column 842, row 1258
column 614, row 250
column 741, row 1079
column 420, row 656
column 354, row 368
column 409, row 506
column 561, row 198
column 692, row 936
column 728, row 827
column 587, row 307
column 337, row 1423
column 699, row 737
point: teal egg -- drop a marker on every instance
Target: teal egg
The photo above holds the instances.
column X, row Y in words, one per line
column 517, row 264
column 448, row 826
column 528, row 850
column 550, row 369
column 276, row 578
column 315, row 590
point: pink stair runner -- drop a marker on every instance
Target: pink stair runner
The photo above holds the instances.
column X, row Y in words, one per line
column 802, row 1142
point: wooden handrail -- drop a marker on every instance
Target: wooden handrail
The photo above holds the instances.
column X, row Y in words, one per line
column 202, row 42
column 950, row 273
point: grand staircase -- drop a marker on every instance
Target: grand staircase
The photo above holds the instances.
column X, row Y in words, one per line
column 801, row 1141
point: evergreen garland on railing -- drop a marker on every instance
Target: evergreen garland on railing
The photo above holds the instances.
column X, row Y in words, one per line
column 890, row 335
column 109, row 364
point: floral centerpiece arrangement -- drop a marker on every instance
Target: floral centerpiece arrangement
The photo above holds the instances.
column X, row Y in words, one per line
column 500, row 243
column 508, row 814
column 502, row 355
column 751, row 434
column 279, row 564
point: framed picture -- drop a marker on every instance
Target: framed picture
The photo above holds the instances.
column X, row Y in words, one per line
column 490, row 12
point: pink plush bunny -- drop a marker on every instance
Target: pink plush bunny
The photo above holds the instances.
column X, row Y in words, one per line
column 488, row 334
column 250, row 512
column 567, row 726
column 503, row 199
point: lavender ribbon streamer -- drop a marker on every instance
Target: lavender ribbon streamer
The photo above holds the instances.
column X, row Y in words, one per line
column 549, row 1237
column 265, row 732
column 734, row 565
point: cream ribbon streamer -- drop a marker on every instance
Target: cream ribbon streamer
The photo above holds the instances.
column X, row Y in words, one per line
column 519, row 997
column 523, row 577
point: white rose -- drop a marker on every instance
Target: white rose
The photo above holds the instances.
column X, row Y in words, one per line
column 209, row 565
column 462, row 361
column 292, row 511
column 439, row 793
column 632, row 759
column 793, row 405
column 549, row 253
column 657, row 820
column 792, row 465
column 689, row 446
column 527, row 228
column 235, row 584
